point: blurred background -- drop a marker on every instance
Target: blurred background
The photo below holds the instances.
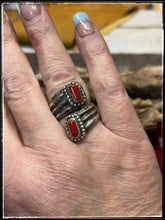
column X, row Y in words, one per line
column 134, row 35
column 128, row 28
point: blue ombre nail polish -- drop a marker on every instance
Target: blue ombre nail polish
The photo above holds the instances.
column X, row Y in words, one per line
column 79, row 17
column 83, row 24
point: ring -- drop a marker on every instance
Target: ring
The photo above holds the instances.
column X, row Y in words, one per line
column 78, row 124
column 68, row 100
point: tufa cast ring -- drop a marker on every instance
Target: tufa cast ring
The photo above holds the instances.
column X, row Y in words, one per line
column 68, row 100
column 78, row 124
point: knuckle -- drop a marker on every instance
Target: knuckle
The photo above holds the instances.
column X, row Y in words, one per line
column 102, row 85
column 98, row 49
column 108, row 85
column 59, row 75
column 39, row 34
column 16, row 86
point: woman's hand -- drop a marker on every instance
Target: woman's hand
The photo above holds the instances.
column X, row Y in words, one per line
column 112, row 172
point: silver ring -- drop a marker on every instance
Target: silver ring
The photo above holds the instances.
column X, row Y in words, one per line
column 68, row 100
column 78, row 124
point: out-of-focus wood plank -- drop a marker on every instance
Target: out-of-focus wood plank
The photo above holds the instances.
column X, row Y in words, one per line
column 116, row 23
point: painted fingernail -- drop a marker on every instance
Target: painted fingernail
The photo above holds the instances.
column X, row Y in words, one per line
column 30, row 11
column 83, row 24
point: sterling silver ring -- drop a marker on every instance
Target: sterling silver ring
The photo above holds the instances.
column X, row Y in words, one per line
column 68, row 100
column 78, row 124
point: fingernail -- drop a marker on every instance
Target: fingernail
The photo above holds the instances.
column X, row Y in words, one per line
column 83, row 24
column 30, row 11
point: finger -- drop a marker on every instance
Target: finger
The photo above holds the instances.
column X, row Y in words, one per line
column 12, row 145
column 10, row 128
column 22, row 91
column 55, row 64
column 114, row 104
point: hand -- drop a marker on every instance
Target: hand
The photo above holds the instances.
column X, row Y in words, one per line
column 112, row 172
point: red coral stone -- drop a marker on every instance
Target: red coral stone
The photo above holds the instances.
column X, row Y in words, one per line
column 73, row 128
column 75, row 92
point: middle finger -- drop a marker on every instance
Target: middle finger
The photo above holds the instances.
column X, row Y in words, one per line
column 55, row 64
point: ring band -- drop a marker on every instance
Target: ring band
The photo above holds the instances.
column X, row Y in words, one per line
column 68, row 100
column 79, row 123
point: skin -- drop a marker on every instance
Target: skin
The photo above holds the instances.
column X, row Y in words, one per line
column 112, row 172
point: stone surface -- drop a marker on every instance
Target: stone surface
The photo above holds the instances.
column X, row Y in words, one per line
column 73, row 128
column 75, row 92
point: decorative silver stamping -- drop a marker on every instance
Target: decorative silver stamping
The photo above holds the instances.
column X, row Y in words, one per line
column 68, row 100
column 79, row 123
